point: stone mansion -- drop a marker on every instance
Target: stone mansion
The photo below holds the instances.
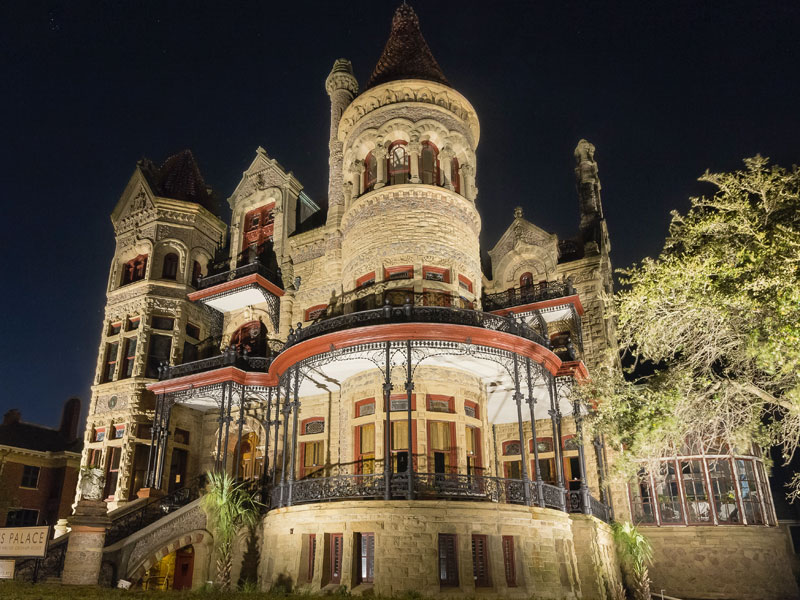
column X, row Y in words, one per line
column 402, row 401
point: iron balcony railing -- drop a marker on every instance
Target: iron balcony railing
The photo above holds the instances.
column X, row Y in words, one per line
column 410, row 313
column 273, row 277
column 528, row 294
column 230, row 357
column 435, row 486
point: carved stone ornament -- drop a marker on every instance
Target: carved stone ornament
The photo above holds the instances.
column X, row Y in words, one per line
column 190, row 520
column 92, row 483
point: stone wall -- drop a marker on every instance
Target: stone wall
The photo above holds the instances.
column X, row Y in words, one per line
column 406, row 547
column 745, row 563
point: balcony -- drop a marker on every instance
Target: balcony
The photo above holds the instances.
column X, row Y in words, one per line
column 229, row 358
column 233, row 289
column 532, row 294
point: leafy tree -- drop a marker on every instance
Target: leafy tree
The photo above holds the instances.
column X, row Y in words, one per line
column 635, row 553
column 716, row 319
column 229, row 507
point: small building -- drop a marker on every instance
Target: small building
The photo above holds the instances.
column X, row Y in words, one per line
column 39, row 468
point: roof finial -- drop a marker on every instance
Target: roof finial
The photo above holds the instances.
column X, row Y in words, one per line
column 518, row 212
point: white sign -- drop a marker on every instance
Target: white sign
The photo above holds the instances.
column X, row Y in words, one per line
column 123, row 584
column 24, row 541
column 6, row 569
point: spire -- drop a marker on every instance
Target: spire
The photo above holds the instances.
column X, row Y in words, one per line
column 406, row 54
column 179, row 178
column 588, row 184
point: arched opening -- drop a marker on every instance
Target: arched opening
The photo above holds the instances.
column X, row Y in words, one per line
column 399, row 166
column 526, row 280
column 173, row 572
column 197, row 273
column 370, row 172
column 252, row 338
column 134, row 269
column 429, row 163
column 169, row 269
column 455, row 175
column 251, row 458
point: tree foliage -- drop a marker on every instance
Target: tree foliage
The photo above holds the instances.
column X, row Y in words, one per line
column 717, row 317
column 228, row 507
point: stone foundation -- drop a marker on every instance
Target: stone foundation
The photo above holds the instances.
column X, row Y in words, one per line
column 549, row 563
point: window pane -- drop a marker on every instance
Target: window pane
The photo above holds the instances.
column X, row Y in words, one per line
column 751, row 498
column 367, row 438
column 669, row 502
column 642, row 499
column 723, row 491
column 400, row 435
column 698, row 504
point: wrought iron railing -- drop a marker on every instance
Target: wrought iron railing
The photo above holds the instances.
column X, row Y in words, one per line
column 241, row 271
column 41, row 569
column 230, row 357
column 528, row 294
column 152, row 510
column 553, row 496
column 409, row 313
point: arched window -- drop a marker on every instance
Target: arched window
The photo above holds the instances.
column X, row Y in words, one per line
column 134, row 269
column 399, row 167
column 197, row 272
column 251, row 337
column 429, row 164
column 526, row 280
column 455, row 175
column 170, row 268
column 370, row 172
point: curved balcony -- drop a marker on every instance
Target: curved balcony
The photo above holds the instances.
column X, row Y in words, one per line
column 228, row 358
column 411, row 313
column 530, row 294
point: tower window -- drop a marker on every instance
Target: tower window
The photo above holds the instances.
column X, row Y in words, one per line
column 169, row 270
column 455, row 175
column 370, row 172
column 365, row 542
column 197, row 273
column 134, row 269
column 110, row 364
column 399, row 164
column 159, row 351
column 429, row 164
column 128, row 359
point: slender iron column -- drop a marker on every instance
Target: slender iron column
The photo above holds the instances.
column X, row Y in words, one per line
column 221, row 422
column 296, row 410
column 531, row 407
column 555, row 419
column 266, row 424
column 526, row 488
column 228, row 420
column 240, row 423
column 155, row 440
column 387, row 434
column 287, row 407
column 576, row 414
column 167, row 407
column 409, row 390
column 277, row 423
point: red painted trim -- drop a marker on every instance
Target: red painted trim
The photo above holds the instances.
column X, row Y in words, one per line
column 574, row 369
column 311, row 309
column 364, row 278
column 305, row 422
column 403, row 397
column 508, row 443
column 541, row 439
column 387, row 271
column 413, row 331
column 574, row 300
column 236, row 283
column 451, row 402
column 441, row 270
column 466, row 281
column 209, row 377
column 361, row 403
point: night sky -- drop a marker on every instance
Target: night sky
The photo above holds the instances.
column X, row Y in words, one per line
column 663, row 89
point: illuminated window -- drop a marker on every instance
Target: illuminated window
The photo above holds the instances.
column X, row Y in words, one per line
column 365, row 448
column 313, row 458
column 398, row 163
column 365, row 543
column 134, row 269
column 429, row 164
column 473, row 439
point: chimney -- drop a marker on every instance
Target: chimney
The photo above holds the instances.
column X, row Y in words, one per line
column 70, row 416
column 12, row 416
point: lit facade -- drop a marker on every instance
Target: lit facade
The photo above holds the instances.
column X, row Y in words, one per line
column 404, row 405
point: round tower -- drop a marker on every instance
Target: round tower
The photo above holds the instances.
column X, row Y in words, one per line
column 409, row 145
column 342, row 87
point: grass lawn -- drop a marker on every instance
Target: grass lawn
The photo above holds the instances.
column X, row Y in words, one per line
column 13, row 590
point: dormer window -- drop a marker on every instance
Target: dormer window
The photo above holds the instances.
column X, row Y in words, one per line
column 134, row 269
column 429, row 164
column 398, row 163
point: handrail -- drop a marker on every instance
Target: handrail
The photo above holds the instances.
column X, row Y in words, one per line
column 409, row 313
column 230, row 357
column 528, row 294
column 255, row 267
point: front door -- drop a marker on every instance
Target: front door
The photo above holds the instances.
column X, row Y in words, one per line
column 184, row 567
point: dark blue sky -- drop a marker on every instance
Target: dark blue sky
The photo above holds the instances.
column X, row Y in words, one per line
column 664, row 91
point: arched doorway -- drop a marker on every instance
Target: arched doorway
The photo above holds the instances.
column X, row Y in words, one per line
column 251, row 337
column 251, row 457
column 173, row 572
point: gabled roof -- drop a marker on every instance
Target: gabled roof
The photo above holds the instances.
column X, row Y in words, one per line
column 29, row 436
column 406, row 54
column 179, row 178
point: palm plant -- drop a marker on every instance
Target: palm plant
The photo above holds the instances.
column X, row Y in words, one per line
column 228, row 507
column 635, row 553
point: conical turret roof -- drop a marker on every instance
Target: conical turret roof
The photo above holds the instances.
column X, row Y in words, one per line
column 179, row 178
column 406, row 54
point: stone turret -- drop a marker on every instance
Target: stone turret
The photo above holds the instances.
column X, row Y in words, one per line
column 342, row 87
column 588, row 185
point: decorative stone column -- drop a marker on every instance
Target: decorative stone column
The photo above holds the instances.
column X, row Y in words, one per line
column 468, row 172
column 446, row 163
column 380, row 160
column 414, row 149
column 357, row 174
column 88, row 535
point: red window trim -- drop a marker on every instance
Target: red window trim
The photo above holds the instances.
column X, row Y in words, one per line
column 541, row 439
column 369, row 161
column 530, row 279
column 441, row 270
column 305, row 422
column 480, row 558
column 437, row 167
column 401, row 397
column 506, row 444
column 388, row 271
column 316, row 307
column 451, row 402
column 475, row 406
column 466, row 281
column 361, row 281
column 564, row 439
column 509, row 565
column 361, row 403
column 478, row 447
column 414, row 453
column 358, row 457
column 312, row 551
column 302, row 469
column 336, row 557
